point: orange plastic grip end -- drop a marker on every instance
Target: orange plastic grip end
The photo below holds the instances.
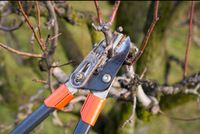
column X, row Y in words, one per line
column 59, row 98
column 91, row 109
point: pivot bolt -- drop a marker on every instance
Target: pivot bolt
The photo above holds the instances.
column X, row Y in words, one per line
column 106, row 78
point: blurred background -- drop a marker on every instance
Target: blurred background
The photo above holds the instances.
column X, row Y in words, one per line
column 17, row 74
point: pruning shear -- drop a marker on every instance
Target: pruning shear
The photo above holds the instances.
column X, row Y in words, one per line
column 96, row 74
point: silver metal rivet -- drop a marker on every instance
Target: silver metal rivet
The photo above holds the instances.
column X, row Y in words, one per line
column 106, row 78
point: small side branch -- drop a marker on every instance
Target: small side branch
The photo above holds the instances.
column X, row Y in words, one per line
column 114, row 11
column 132, row 117
column 31, row 26
column 19, row 52
column 99, row 14
column 148, row 34
column 38, row 16
column 189, row 41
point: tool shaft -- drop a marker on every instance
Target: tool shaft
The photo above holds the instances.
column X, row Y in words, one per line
column 82, row 128
column 33, row 120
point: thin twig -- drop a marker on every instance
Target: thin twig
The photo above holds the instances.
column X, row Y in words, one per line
column 39, row 81
column 148, row 34
column 143, row 73
column 38, row 16
column 55, row 36
column 19, row 52
column 56, row 119
column 189, row 41
column 132, row 117
column 31, row 26
column 114, row 11
column 53, row 66
column 98, row 12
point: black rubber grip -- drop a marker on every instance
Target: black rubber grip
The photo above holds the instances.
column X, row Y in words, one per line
column 32, row 120
column 82, row 128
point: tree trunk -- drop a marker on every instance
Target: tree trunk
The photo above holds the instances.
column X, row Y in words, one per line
column 152, row 59
column 132, row 16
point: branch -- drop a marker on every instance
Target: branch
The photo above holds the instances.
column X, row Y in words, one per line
column 61, row 65
column 59, row 74
column 51, row 49
column 132, row 117
column 20, row 53
column 99, row 14
column 31, row 27
column 104, row 27
column 55, row 36
column 112, row 15
column 147, row 89
column 39, row 81
column 52, row 14
column 148, row 34
column 187, row 85
column 56, row 119
column 114, row 11
column 38, row 16
column 143, row 98
column 189, row 41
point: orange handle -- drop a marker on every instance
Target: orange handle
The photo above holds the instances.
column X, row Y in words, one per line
column 91, row 109
column 59, row 98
